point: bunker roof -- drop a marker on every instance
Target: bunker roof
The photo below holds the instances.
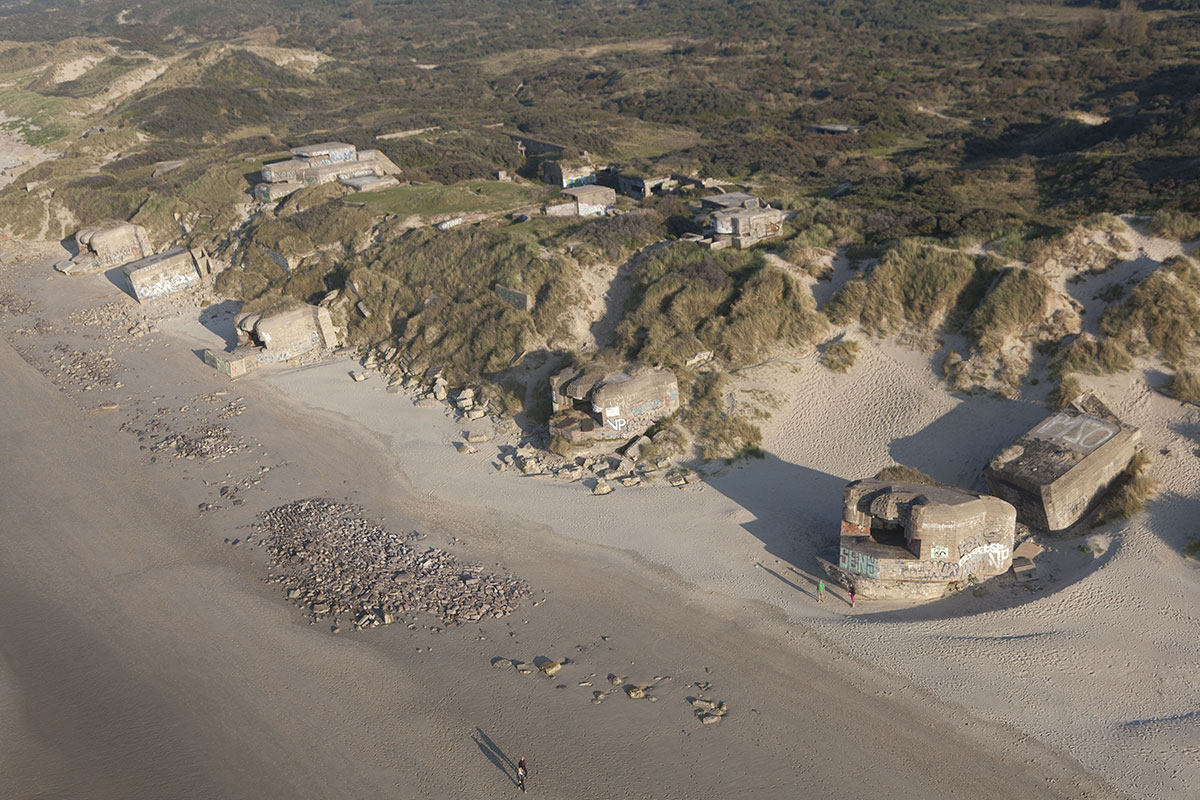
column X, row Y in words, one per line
column 940, row 505
column 322, row 149
column 155, row 260
column 589, row 192
column 618, row 387
column 730, row 200
column 1061, row 443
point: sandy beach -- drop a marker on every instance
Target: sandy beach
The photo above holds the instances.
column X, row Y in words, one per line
column 145, row 655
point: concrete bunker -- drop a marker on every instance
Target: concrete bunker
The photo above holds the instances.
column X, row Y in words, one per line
column 738, row 219
column 270, row 338
column 169, row 272
column 589, row 404
column 566, row 172
column 1057, row 472
column 316, row 164
column 912, row 540
column 588, row 200
column 642, row 186
column 106, row 245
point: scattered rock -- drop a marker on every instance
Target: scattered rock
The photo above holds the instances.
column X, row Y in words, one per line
column 602, row 488
column 344, row 565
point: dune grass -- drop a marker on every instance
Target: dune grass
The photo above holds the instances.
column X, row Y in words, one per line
column 1184, row 385
column 1175, row 225
column 719, row 431
column 1091, row 356
column 1129, row 492
column 840, row 356
column 1161, row 316
column 686, row 300
column 1015, row 300
column 435, row 199
column 913, row 285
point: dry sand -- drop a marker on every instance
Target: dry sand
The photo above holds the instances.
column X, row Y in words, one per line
column 141, row 655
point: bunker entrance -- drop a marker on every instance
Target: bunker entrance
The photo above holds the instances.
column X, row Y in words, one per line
column 888, row 532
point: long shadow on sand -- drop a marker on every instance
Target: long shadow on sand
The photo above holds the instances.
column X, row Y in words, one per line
column 494, row 754
column 118, row 279
column 956, row 446
column 796, row 510
column 219, row 319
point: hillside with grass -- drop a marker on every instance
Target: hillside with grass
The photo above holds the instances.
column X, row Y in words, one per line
column 972, row 195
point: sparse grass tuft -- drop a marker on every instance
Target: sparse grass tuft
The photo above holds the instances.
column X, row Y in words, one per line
column 1129, row 492
column 840, row 356
column 719, row 432
column 903, row 474
column 1185, row 385
column 1067, row 390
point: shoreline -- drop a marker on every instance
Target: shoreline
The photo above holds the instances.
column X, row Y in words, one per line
column 593, row 580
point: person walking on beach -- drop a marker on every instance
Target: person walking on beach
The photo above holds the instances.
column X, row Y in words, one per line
column 521, row 773
column 820, row 591
column 852, row 596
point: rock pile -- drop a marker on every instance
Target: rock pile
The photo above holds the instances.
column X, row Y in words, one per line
column 91, row 370
column 110, row 315
column 600, row 469
column 709, row 712
column 15, row 304
column 334, row 562
column 206, row 442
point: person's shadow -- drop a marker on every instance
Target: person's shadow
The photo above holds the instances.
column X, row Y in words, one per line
column 494, row 754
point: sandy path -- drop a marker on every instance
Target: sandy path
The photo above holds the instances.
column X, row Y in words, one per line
column 144, row 658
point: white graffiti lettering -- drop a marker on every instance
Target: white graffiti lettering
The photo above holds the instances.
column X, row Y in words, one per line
column 1083, row 433
column 988, row 559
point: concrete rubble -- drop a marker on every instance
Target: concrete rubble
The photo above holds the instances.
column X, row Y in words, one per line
column 335, row 563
